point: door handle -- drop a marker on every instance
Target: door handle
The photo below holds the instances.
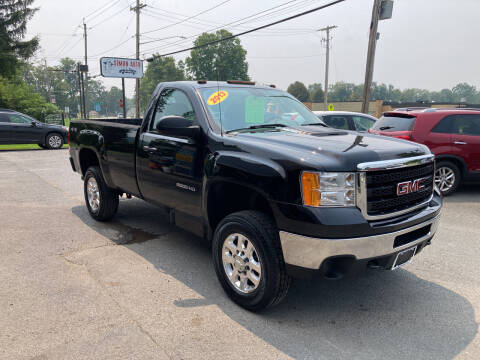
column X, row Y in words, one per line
column 149, row 148
column 460, row 143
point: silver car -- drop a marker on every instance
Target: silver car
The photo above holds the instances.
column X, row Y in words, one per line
column 346, row 120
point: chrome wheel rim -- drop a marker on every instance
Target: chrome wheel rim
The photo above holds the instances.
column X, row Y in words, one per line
column 241, row 263
column 93, row 194
column 55, row 141
column 444, row 178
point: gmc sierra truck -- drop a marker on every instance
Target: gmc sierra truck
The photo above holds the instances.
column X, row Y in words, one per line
column 276, row 192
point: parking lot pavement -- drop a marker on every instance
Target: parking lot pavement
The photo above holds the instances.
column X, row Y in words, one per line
column 139, row 288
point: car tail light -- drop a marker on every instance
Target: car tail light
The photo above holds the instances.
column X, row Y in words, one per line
column 69, row 135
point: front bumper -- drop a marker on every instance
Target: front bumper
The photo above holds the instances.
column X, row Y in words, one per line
column 310, row 253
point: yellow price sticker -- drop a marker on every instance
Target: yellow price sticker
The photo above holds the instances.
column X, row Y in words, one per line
column 217, row 97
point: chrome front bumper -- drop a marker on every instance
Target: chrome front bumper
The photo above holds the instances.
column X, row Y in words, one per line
column 308, row 252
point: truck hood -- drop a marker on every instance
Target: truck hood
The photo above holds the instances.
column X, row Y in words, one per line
column 323, row 149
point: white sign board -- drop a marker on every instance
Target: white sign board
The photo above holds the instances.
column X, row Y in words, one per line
column 121, row 67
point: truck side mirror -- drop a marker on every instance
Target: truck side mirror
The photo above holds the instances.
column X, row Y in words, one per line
column 177, row 125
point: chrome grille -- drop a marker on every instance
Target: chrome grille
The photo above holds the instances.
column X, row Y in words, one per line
column 377, row 187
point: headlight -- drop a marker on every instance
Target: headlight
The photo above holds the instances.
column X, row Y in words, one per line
column 328, row 189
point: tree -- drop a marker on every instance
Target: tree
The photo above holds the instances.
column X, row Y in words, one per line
column 299, row 90
column 315, row 92
column 465, row 92
column 17, row 95
column 14, row 15
column 159, row 70
column 225, row 60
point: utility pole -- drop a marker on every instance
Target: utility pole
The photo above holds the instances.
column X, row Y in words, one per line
column 327, row 30
column 382, row 10
column 86, row 73
column 137, row 9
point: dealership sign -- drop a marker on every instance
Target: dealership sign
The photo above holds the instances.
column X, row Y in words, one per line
column 121, row 67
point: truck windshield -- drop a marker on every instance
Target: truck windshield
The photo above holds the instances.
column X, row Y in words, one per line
column 242, row 108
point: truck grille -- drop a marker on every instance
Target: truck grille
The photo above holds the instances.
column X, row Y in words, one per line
column 382, row 189
column 378, row 183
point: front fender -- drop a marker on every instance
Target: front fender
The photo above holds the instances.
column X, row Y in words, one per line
column 263, row 175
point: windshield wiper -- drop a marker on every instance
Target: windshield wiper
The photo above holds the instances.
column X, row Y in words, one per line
column 263, row 126
column 385, row 127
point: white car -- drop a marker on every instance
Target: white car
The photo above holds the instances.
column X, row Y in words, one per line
column 346, row 120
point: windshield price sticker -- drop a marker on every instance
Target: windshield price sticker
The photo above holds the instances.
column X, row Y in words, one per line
column 217, row 97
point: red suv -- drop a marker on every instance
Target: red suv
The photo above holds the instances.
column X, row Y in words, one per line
column 453, row 135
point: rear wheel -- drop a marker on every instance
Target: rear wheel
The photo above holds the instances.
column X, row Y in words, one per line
column 101, row 201
column 447, row 177
column 54, row 141
column 248, row 260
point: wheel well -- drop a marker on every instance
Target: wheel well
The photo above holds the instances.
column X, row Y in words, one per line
column 457, row 161
column 227, row 198
column 87, row 158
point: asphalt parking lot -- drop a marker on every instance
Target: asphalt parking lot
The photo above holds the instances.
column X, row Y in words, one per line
column 139, row 288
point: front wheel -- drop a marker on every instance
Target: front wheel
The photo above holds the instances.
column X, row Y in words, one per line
column 54, row 141
column 101, row 201
column 248, row 260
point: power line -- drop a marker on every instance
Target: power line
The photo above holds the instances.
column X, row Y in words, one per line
column 190, row 17
column 110, row 17
column 251, row 18
column 104, row 9
column 236, row 21
column 252, row 30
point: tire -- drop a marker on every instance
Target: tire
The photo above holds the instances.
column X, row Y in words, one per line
column 447, row 177
column 54, row 141
column 101, row 201
column 272, row 279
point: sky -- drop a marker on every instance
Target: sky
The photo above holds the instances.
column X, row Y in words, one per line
column 430, row 44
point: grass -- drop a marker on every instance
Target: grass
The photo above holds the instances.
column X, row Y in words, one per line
column 24, row 147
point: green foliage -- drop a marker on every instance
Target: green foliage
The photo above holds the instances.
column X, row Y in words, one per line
column 225, row 60
column 343, row 91
column 299, row 90
column 316, row 93
column 15, row 94
column 159, row 70
column 14, row 15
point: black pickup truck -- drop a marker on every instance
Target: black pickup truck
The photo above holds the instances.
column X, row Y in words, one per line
column 276, row 192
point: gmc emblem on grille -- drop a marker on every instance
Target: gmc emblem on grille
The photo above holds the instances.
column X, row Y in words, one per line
column 408, row 187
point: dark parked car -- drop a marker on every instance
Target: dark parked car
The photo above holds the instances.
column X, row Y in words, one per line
column 18, row 128
column 453, row 135
column 275, row 191
column 346, row 120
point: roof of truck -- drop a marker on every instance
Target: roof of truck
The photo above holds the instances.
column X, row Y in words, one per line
column 212, row 83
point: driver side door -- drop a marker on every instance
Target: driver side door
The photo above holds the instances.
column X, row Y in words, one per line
column 169, row 168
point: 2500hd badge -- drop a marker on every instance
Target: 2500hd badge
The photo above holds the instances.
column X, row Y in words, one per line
column 276, row 192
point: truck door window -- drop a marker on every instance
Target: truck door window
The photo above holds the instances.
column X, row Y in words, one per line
column 172, row 102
